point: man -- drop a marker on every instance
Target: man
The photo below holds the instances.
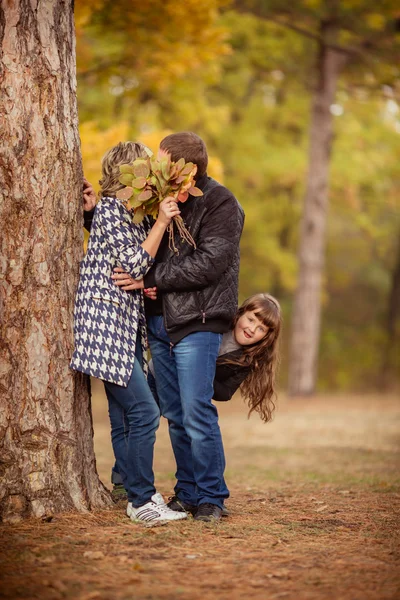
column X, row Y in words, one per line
column 196, row 302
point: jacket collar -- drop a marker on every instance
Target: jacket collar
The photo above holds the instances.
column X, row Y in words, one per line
column 201, row 182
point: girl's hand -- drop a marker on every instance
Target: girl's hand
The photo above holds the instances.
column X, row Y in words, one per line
column 125, row 281
column 168, row 210
column 151, row 293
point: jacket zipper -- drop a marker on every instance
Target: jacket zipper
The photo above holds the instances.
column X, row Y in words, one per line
column 204, row 317
column 171, row 345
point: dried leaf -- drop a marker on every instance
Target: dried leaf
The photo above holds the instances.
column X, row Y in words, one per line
column 139, row 183
column 165, row 169
column 187, row 168
column 162, row 154
column 154, row 211
column 126, row 179
column 126, row 169
column 194, row 191
column 145, row 195
column 134, row 203
column 94, row 555
column 139, row 215
column 183, row 196
column 180, row 164
column 90, row 596
column 141, row 168
column 125, row 193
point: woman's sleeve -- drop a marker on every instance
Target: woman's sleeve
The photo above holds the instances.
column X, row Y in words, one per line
column 123, row 244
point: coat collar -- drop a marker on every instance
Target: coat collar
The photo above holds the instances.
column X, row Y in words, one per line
column 201, row 181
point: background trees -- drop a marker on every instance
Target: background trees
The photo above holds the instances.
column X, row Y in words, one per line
column 258, row 98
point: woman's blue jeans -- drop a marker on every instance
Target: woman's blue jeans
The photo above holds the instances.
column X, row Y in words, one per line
column 185, row 374
column 134, row 417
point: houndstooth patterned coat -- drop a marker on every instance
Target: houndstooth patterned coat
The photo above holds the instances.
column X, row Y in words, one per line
column 108, row 319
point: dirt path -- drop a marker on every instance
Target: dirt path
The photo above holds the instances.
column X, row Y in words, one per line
column 314, row 515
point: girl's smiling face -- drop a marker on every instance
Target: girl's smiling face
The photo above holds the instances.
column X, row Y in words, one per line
column 249, row 329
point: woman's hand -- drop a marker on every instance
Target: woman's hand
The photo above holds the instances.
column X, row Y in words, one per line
column 168, row 210
column 89, row 195
column 125, row 281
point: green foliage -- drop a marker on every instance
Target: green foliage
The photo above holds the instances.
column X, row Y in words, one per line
column 132, row 52
column 249, row 99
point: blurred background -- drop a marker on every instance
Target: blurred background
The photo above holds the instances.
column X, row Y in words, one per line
column 249, row 78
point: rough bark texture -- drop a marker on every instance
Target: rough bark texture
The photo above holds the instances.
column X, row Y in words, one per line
column 47, row 462
column 307, row 303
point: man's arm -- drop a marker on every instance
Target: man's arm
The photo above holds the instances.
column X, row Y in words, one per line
column 217, row 244
column 87, row 219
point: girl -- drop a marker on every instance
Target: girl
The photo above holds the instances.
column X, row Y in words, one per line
column 110, row 331
column 248, row 356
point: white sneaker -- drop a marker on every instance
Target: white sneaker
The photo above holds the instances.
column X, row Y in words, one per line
column 154, row 511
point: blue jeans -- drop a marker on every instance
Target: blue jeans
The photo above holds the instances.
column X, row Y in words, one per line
column 134, row 417
column 185, row 374
column 116, row 478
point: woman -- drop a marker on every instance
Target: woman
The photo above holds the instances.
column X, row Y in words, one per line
column 110, row 331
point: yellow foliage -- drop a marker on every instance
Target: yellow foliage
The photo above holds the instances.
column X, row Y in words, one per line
column 95, row 143
column 215, row 169
column 376, row 21
column 83, row 11
column 157, row 40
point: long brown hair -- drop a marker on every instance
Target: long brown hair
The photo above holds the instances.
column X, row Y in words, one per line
column 258, row 388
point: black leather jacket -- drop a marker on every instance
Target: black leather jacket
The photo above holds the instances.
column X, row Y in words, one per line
column 199, row 286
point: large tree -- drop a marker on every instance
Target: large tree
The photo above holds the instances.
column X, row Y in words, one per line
column 47, row 460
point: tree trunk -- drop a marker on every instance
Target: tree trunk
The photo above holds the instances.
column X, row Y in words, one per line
column 389, row 362
column 306, row 317
column 47, row 462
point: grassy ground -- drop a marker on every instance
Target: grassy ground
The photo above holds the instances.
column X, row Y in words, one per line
column 314, row 507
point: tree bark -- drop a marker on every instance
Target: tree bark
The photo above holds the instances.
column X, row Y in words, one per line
column 47, row 461
column 306, row 317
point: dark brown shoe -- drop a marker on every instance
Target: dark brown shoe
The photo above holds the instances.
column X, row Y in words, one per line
column 181, row 506
column 208, row 512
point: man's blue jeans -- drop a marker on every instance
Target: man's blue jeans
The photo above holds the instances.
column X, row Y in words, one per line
column 185, row 374
column 134, row 417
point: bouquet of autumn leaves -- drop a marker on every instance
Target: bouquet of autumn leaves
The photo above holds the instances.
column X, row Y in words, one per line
column 149, row 180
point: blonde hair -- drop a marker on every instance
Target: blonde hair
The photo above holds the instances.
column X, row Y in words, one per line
column 121, row 154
